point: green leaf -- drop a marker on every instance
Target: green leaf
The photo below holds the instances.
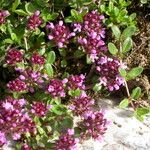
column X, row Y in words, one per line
column 128, row 32
column 49, row 69
column 122, row 72
column 79, row 53
column 51, row 57
column 124, row 103
column 112, row 48
column 63, row 63
column 21, row 12
column 144, row 1
column 134, row 73
column 141, row 112
column 88, row 59
column 74, row 13
column 136, row 93
column 30, row 8
column 58, row 109
column 15, row 5
column 40, row 130
column 66, row 123
column 74, row 93
column 127, row 45
column 97, row 87
column 116, row 31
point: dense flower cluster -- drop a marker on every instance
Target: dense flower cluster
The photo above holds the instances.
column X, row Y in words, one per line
column 109, row 74
column 81, row 105
column 14, row 56
column 91, row 34
column 3, row 139
column 56, row 88
column 59, row 34
column 76, row 82
column 39, row 109
column 37, row 59
column 3, row 15
column 67, row 141
column 17, row 85
column 25, row 147
column 34, row 21
column 14, row 119
column 95, row 125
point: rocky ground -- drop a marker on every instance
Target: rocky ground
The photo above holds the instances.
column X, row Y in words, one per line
column 124, row 133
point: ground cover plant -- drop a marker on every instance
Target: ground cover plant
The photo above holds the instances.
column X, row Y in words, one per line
column 53, row 55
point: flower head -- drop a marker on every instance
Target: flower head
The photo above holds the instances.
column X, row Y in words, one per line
column 34, row 21
column 13, row 56
column 59, row 34
column 3, row 15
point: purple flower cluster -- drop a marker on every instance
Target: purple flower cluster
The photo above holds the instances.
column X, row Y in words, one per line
column 91, row 34
column 3, row 15
column 39, row 109
column 14, row 56
column 56, row 88
column 3, row 139
column 76, row 82
column 109, row 74
column 95, row 125
column 59, row 34
column 81, row 105
column 34, row 21
column 37, row 59
column 17, row 85
column 67, row 141
column 14, row 119
column 25, row 147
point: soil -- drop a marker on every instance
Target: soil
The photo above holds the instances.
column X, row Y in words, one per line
column 140, row 55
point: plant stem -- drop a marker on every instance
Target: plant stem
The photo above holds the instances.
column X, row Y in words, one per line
column 26, row 44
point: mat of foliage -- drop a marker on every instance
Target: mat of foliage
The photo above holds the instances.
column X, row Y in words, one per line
column 51, row 53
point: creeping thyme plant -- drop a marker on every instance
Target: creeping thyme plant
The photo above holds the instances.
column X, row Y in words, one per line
column 51, row 51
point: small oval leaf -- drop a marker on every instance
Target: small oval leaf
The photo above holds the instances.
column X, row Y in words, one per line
column 112, row 49
column 49, row 69
column 51, row 57
column 124, row 103
column 136, row 93
column 127, row 45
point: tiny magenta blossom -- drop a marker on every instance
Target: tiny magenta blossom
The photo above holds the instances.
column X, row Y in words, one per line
column 17, row 85
column 39, row 109
column 34, row 21
column 76, row 82
column 59, row 34
column 56, row 88
column 109, row 74
column 14, row 56
column 95, row 125
column 3, row 15
column 81, row 105
column 67, row 141
column 37, row 59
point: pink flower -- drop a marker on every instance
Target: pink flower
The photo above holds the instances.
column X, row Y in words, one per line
column 13, row 56
column 59, row 34
column 34, row 21
column 37, row 59
column 17, row 85
column 3, row 15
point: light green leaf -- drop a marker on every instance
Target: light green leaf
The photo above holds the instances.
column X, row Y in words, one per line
column 128, row 32
column 51, row 57
column 124, row 103
column 15, row 5
column 112, row 48
column 127, row 45
column 134, row 73
column 30, row 8
column 97, row 87
column 122, row 72
column 21, row 12
column 136, row 93
column 116, row 31
column 49, row 69
column 63, row 63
